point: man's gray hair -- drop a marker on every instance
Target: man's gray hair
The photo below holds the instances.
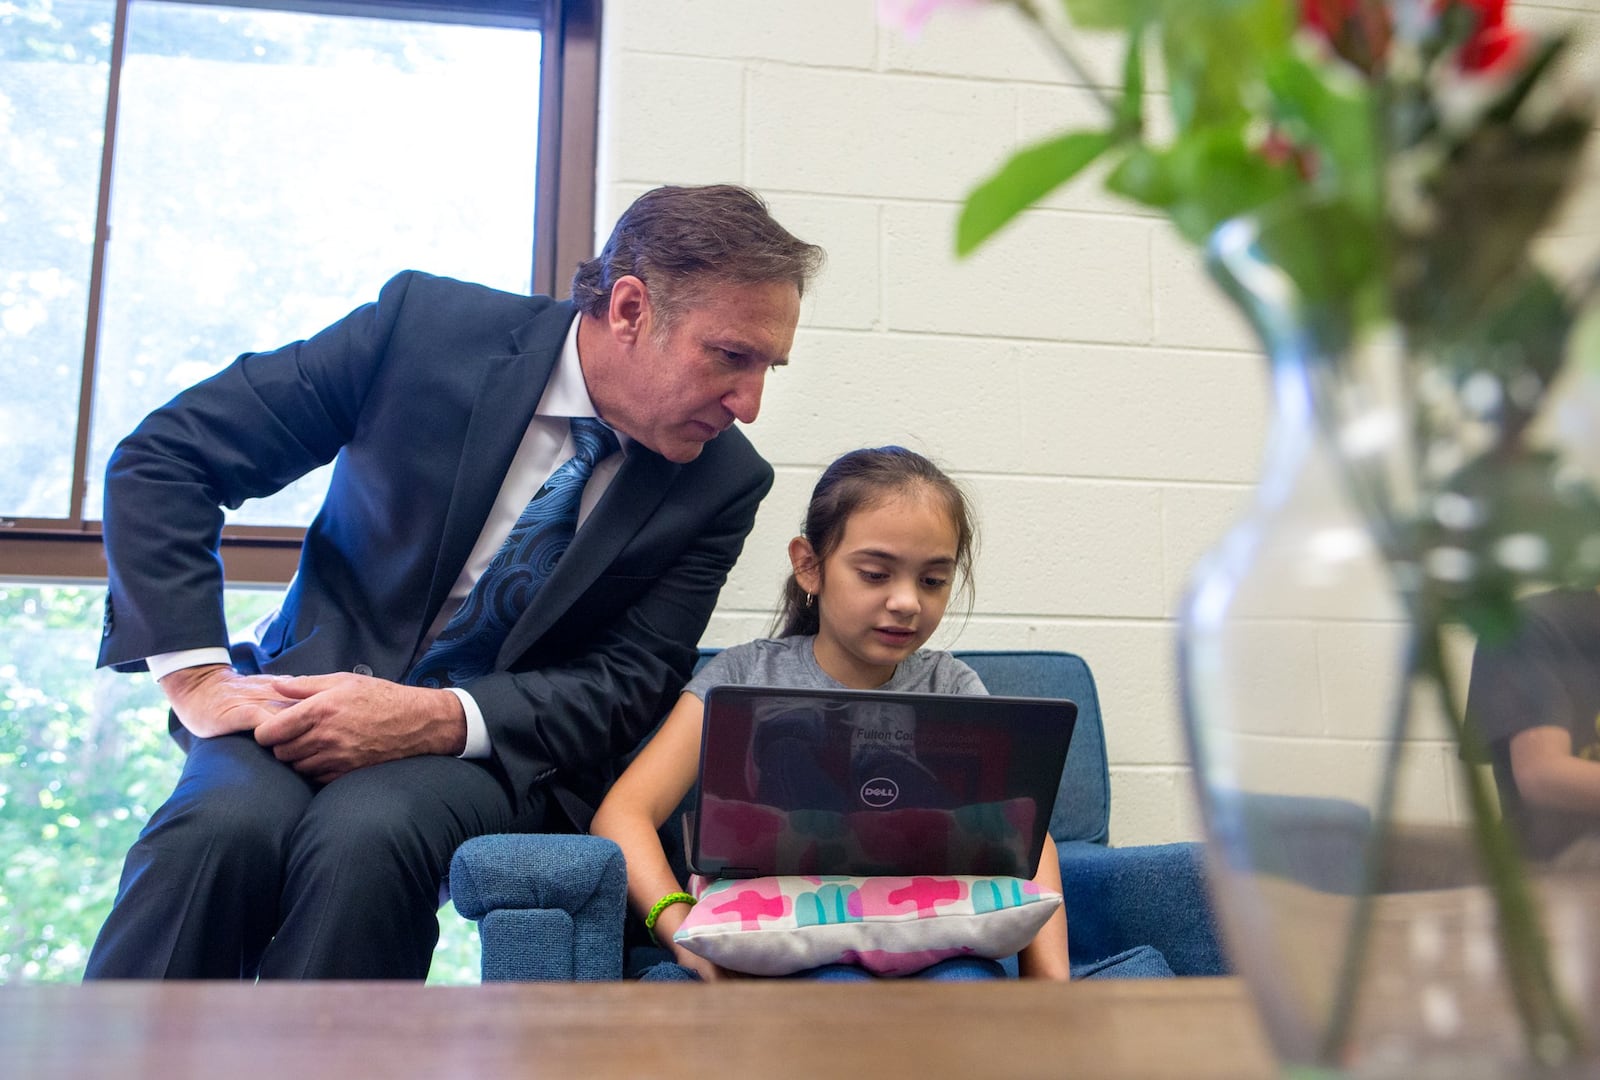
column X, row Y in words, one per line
column 686, row 242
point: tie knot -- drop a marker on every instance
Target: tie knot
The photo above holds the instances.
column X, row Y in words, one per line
column 594, row 441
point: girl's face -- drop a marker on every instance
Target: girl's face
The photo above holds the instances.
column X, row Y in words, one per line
column 881, row 593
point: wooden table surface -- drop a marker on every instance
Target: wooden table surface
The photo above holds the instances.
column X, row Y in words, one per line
column 1146, row 1029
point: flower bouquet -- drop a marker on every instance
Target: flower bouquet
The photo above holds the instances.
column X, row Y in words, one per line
column 1369, row 179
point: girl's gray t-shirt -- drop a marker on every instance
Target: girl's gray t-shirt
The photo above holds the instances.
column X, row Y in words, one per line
column 791, row 661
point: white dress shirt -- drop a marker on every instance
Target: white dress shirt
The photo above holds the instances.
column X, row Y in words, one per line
column 545, row 446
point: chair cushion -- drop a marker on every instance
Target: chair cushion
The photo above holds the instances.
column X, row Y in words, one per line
column 887, row 925
column 1083, row 804
column 1139, row 962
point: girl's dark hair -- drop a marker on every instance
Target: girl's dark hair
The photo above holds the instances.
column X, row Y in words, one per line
column 860, row 480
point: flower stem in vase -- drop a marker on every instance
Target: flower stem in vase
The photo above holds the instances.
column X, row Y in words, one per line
column 1549, row 1026
column 1352, row 963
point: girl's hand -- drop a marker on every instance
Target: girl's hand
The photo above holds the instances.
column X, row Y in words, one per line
column 702, row 967
column 1049, row 971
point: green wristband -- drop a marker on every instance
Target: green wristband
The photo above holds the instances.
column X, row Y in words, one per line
column 661, row 905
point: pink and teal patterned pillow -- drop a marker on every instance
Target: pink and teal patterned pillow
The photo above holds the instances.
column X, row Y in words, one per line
column 888, row 925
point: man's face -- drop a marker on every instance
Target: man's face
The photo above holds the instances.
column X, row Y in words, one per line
column 677, row 391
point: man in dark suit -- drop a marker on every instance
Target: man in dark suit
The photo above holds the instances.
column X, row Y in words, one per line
column 332, row 766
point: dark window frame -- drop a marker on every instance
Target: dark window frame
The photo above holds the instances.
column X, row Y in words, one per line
column 69, row 549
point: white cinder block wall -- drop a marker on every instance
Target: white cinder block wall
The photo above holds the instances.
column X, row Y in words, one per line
column 1080, row 375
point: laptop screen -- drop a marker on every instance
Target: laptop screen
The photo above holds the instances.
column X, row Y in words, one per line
column 875, row 783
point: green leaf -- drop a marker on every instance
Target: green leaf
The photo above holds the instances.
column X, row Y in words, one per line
column 1143, row 176
column 1215, row 176
column 1485, row 204
column 1320, row 246
column 1130, row 107
column 1215, row 51
column 1029, row 176
column 1110, row 14
column 1525, row 331
column 1317, row 107
column 1547, row 52
column 1491, row 614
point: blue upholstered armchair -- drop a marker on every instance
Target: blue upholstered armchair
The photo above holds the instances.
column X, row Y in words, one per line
column 555, row 907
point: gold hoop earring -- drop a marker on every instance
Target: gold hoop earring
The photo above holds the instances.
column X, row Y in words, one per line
column 810, row 600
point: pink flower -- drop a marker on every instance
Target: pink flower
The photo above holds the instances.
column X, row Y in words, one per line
column 909, row 16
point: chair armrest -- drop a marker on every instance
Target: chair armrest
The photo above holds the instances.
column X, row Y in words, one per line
column 1121, row 898
column 548, row 908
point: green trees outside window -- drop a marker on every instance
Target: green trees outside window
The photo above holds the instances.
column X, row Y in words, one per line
column 84, row 758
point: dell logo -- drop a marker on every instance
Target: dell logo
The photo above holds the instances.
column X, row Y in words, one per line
column 879, row 791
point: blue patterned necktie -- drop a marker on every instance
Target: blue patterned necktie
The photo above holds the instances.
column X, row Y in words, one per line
column 466, row 647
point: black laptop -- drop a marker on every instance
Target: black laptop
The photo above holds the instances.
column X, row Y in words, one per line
column 869, row 782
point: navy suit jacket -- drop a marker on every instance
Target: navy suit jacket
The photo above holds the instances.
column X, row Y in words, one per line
column 423, row 398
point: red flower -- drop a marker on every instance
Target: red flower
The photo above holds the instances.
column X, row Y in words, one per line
column 1327, row 16
column 1357, row 30
column 1492, row 44
column 1492, row 48
column 1492, row 12
column 1279, row 150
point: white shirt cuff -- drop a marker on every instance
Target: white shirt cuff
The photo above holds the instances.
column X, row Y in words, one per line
column 164, row 664
column 477, row 730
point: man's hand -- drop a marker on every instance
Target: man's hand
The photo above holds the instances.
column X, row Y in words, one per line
column 213, row 699
column 338, row 723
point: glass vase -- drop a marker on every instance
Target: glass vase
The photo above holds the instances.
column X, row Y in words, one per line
column 1363, row 879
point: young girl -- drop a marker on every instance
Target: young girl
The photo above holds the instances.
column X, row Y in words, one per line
column 887, row 534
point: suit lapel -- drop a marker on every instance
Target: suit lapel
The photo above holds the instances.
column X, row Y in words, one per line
column 506, row 399
column 633, row 496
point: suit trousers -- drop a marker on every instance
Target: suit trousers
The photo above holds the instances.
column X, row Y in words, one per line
column 251, row 870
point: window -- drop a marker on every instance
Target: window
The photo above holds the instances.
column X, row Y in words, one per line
column 191, row 180
column 84, row 760
column 186, row 181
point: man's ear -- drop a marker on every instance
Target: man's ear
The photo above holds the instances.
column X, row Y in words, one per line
column 807, row 570
column 629, row 313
